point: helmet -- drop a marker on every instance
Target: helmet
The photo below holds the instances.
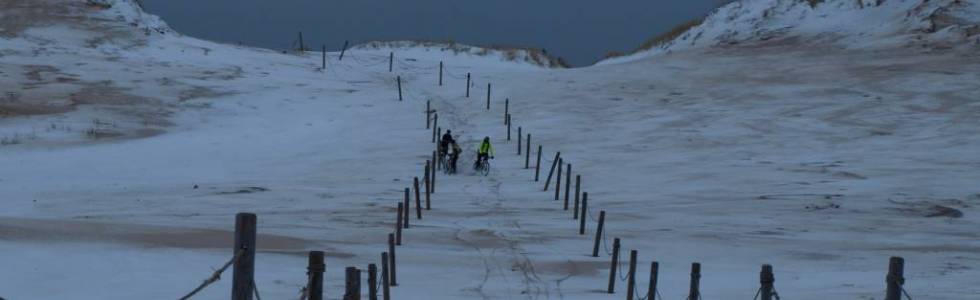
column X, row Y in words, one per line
column 486, row 139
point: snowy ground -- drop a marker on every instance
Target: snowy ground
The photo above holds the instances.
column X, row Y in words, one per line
column 821, row 161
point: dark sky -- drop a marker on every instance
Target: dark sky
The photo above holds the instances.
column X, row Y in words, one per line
column 581, row 31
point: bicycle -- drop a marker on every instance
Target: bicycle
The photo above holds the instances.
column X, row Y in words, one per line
column 443, row 163
column 483, row 167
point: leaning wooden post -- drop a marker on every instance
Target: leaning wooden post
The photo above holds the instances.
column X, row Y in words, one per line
column 652, row 288
column 508, row 127
column 612, row 267
column 418, row 199
column 467, row 85
column 507, row 110
column 428, row 113
column 314, row 273
column 488, row 96
column 372, row 282
column 766, row 280
column 895, row 278
column 631, row 276
column 243, row 271
column 391, row 259
column 399, row 79
column 598, row 233
column 519, row 138
column 435, row 124
column 391, row 61
column 527, row 151
column 554, row 164
column 440, row 73
column 399, row 224
column 537, row 166
column 428, row 184
column 578, row 192
column 561, row 163
column 432, row 179
column 407, row 205
column 302, row 47
column 343, row 50
column 585, row 212
column 568, row 183
column 385, row 275
column 323, row 59
column 695, row 292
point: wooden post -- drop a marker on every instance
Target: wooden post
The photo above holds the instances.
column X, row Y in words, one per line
column 568, row 183
column 652, row 289
column 527, row 151
column 432, row 184
column 342, row 50
column 467, row 85
column 554, row 164
column 352, row 284
column 695, row 292
column 558, row 179
column 372, row 282
column 324, row 58
column 895, row 278
column 399, row 78
column 507, row 110
column 391, row 259
column 440, row 73
column 766, row 280
column 435, row 123
column 428, row 113
column 537, row 166
column 631, row 276
column 385, row 281
column 391, row 61
column 612, row 267
column 585, row 212
column 439, row 138
column 428, row 184
column 578, row 191
column 302, row 48
column 488, row 96
column 418, row 199
column 243, row 271
column 314, row 273
column 407, row 205
column 519, row 138
column 399, row 224
column 598, row 233
column 508, row 127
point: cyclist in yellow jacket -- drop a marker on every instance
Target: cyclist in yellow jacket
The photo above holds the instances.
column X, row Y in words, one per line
column 485, row 151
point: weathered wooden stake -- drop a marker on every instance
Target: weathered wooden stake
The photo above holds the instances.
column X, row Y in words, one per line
column 342, row 51
column 585, row 212
column 652, row 289
column 527, row 151
column 695, row 292
column 554, row 164
column 323, row 62
column 418, row 199
column 440, row 73
column 467, row 85
column 399, row 224
column 391, row 259
column 612, row 267
column 399, row 79
column 391, row 61
column 428, row 184
column 508, row 127
column 432, row 183
column 895, row 278
column 578, row 192
column 631, row 276
column 407, row 208
column 598, row 233
column 385, row 276
column 537, row 166
column 372, row 282
column 766, row 280
column 428, row 113
column 488, row 96
column 243, row 271
column 352, row 284
column 302, row 48
column 519, row 138
column 435, row 124
column 568, row 183
column 507, row 111
column 314, row 273
column 561, row 163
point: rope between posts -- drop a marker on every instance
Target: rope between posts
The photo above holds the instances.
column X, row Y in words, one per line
column 620, row 266
column 303, row 293
column 255, row 288
column 637, row 292
column 216, row 275
column 605, row 242
column 904, row 292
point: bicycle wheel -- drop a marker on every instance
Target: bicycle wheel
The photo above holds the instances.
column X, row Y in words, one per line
column 485, row 168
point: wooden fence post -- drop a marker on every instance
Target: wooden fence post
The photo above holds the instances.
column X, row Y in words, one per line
column 507, row 111
column 612, row 267
column 302, row 47
column 537, row 166
column 895, row 278
column 385, row 281
column 399, row 223
column 598, row 233
column 578, row 191
column 435, row 124
column 428, row 113
column 352, row 284
column 568, row 183
column 323, row 59
column 243, row 270
column 418, row 199
column 631, row 276
column 554, row 164
column 440, row 73
column 527, row 152
column 314, row 273
column 391, row 259
column 652, row 289
column 488, row 96
column 399, row 79
column 391, row 61
column 695, row 292
column 508, row 127
column 519, row 138
column 432, row 184
column 467, row 85
column 372, row 282
column 343, row 50
column 428, row 184
column 561, row 163
column 585, row 213
column 407, row 206
column 766, row 280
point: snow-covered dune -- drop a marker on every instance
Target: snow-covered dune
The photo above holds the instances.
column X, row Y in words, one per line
column 128, row 148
